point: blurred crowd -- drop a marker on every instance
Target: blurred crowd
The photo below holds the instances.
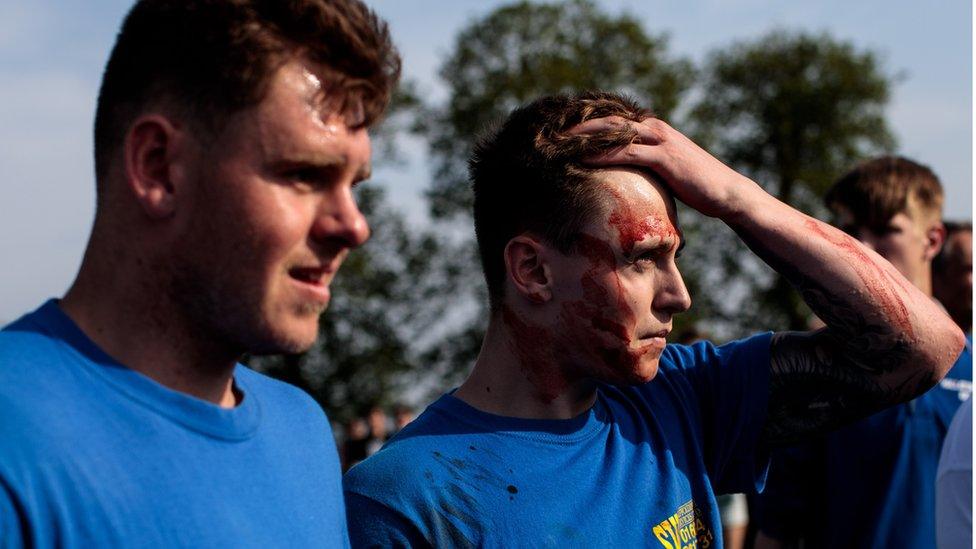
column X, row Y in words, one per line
column 363, row 436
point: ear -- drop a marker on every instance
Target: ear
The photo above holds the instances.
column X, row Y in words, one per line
column 149, row 151
column 934, row 239
column 527, row 269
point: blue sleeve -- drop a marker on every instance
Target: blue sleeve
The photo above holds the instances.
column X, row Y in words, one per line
column 13, row 523
column 731, row 385
column 372, row 524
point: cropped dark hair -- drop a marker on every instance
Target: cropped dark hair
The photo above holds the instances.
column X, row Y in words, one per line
column 876, row 190
column 528, row 175
column 208, row 59
column 950, row 249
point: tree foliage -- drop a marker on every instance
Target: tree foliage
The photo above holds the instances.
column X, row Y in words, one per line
column 524, row 50
column 793, row 111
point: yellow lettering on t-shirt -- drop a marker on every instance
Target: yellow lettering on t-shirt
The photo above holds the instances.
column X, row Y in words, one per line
column 660, row 534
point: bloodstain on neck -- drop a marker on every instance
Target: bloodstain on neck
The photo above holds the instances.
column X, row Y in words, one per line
column 534, row 348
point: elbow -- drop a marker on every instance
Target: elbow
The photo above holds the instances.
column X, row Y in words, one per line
column 957, row 342
column 938, row 350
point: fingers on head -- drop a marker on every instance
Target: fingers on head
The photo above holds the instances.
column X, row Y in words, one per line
column 651, row 131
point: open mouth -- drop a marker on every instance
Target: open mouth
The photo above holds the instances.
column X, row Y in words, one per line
column 307, row 275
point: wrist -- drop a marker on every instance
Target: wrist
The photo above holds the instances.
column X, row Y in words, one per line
column 744, row 196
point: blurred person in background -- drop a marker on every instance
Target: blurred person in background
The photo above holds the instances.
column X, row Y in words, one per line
column 379, row 429
column 952, row 274
column 402, row 415
column 952, row 283
column 354, row 447
column 871, row 484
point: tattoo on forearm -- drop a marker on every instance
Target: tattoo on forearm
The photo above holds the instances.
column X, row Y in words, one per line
column 824, row 379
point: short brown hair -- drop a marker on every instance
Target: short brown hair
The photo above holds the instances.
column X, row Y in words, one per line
column 208, row 59
column 950, row 248
column 877, row 190
column 528, row 175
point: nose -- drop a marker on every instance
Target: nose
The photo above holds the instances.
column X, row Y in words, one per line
column 672, row 294
column 339, row 222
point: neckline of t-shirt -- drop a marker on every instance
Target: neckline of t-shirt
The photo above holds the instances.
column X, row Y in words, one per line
column 553, row 431
column 238, row 423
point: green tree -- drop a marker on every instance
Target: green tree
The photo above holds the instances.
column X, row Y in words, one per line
column 793, row 111
column 524, row 50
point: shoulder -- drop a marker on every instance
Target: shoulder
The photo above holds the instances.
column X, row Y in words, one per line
column 403, row 465
column 405, row 475
column 276, row 395
column 24, row 347
column 752, row 349
column 38, row 380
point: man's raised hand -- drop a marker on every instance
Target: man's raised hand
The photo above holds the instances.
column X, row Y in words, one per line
column 694, row 176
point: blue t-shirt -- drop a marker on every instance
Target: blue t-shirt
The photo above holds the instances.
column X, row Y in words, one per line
column 640, row 468
column 94, row 454
column 954, row 483
column 870, row 484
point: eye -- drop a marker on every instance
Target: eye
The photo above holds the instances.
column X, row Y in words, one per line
column 648, row 256
column 305, row 177
column 310, row 178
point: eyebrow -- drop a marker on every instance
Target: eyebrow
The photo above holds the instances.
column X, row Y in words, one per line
column 662, row 245
column 320, row 162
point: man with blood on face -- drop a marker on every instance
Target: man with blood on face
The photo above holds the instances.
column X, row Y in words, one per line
column 228, row 137
column 617, row 296
column 578, row 424
column 871, row 483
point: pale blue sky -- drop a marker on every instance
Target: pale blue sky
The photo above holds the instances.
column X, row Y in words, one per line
column 52, row 54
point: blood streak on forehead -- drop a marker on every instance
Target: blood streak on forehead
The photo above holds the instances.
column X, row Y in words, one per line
column 636, row 220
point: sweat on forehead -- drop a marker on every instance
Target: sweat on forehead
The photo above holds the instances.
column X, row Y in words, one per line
column 324, row 96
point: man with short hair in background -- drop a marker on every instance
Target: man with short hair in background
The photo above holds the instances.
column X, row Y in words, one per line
column 952, row 284
column 228, row 137
column 952, row 273
column 871, row 484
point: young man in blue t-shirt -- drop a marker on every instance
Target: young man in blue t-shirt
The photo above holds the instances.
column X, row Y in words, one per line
column 228, row 136
column 559, row 436
column 872, row 483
